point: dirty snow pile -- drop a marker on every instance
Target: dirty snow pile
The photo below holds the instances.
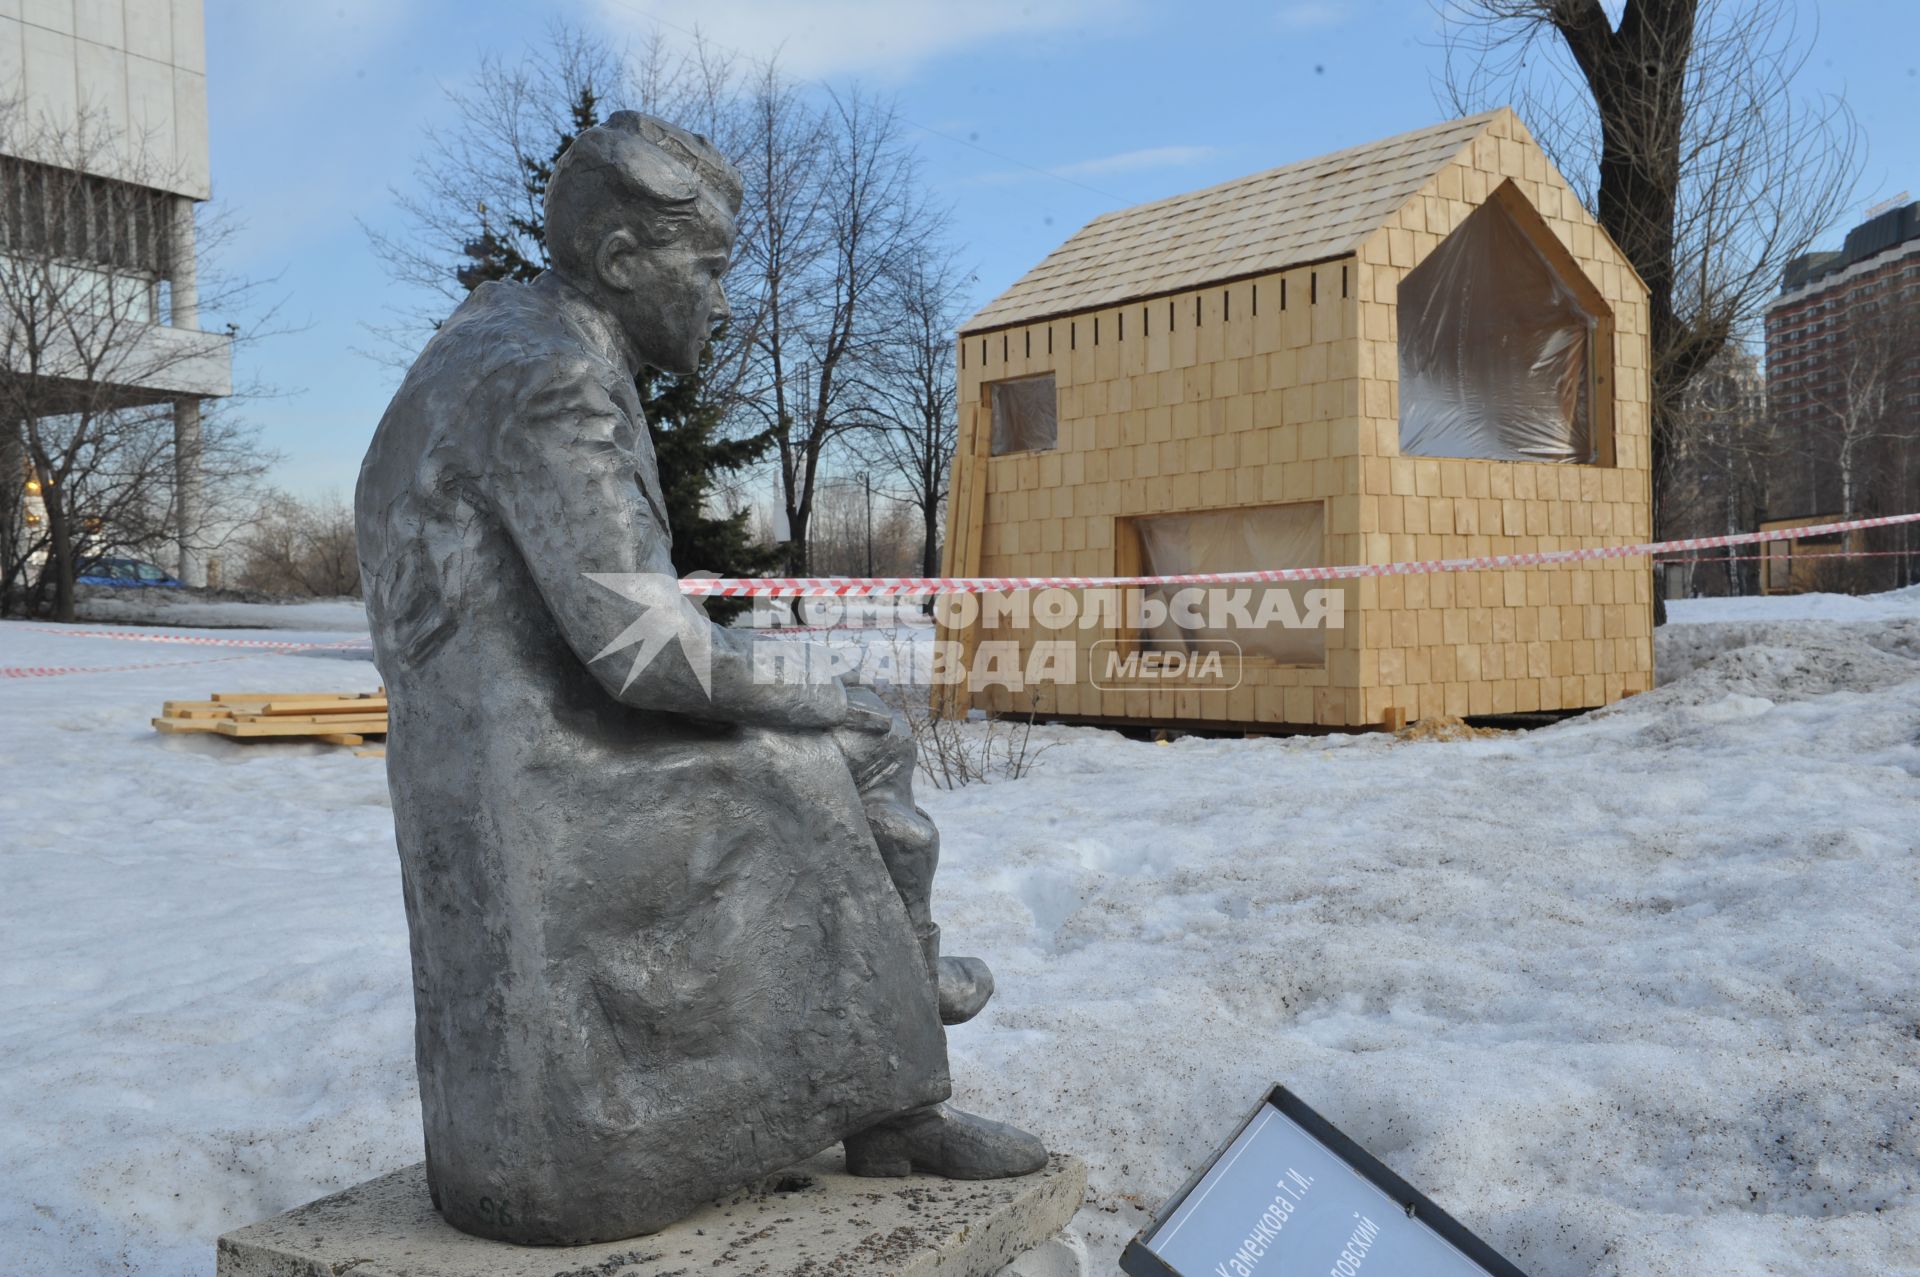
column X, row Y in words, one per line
column 1633, row 994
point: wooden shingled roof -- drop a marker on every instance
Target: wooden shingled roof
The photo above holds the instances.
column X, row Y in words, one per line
column 1289, row 216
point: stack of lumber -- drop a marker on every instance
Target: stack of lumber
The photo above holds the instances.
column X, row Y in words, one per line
column 336, row 718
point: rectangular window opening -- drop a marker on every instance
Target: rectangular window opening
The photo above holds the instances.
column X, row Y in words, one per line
column 1237, row 540
column 1025, row 415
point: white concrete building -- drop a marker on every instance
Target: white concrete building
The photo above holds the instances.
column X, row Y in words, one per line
column 128, row 77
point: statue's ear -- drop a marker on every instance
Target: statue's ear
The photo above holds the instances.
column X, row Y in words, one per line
column 617, row 261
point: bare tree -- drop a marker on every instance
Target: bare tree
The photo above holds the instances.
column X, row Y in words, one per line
column 1721, row 478
column 1679, row 127
column 911, row 390
column 858, row 531
column 91, row 372
column 841, row 211
column 301, row 547
column 783, row 240
column 471, row 178
column 833, row 208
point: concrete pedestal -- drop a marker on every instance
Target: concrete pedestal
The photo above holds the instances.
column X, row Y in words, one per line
column 813, row 1220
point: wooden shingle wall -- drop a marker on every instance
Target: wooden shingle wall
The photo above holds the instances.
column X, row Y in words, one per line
column 1534, row 639
column 1242, row 402
column 1245, row 401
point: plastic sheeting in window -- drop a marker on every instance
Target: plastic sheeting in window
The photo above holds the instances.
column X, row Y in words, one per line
column 1493, row 351
column 1025, row 415
column 1275, row 536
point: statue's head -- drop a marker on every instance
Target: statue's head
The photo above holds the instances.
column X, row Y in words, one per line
column 640, row 216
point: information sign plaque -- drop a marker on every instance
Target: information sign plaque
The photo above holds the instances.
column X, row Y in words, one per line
column 1289, row 1194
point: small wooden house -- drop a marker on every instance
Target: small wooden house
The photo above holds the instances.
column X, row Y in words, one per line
column 1421, row 348
column 1795, row 565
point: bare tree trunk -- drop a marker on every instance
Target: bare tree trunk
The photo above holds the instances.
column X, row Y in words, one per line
column 61, row 541
column 1685, row 142
column 13, row 514
column 187, row 490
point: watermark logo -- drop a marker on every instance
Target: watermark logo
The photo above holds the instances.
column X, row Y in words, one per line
column 1195, row 638
column 666, row 619
column 1209, row 665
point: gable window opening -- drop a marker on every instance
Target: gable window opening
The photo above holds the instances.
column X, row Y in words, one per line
column 1496, row 351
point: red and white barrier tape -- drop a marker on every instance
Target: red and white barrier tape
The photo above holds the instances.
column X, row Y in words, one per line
column 920, row 586
column 896, row 586
column 273, row 648
column 55, row 671
column 199, row 640
column 1805, row 556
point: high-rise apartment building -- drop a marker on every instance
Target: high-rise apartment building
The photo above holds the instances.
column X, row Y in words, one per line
column 1843, row 372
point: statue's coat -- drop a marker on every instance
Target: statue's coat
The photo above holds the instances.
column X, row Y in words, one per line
column 655, row 950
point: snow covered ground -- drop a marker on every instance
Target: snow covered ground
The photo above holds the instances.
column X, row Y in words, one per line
column 1891, row 606
column 1633, row 994
column 154, row 606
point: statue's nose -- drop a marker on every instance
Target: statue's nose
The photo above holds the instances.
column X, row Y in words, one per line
column 721, row 313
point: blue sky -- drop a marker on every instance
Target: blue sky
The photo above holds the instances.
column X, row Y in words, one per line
column 1031, row 117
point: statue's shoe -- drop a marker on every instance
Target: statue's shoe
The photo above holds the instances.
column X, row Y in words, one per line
column 944, row 1141
column 965, row 986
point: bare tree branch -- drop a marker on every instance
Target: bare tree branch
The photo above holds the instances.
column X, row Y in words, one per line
column 1679, row 127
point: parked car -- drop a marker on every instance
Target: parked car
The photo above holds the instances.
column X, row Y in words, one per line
column 124, row 572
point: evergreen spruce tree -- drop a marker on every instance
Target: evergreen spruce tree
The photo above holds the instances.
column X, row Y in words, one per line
column 685, row 425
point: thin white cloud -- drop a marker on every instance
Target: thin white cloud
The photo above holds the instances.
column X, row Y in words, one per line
column 887, row 39
column 1311, row 15
column 1150, row 157
column 1133, row 161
